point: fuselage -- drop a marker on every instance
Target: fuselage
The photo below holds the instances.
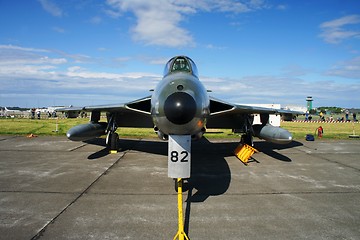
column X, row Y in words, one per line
column 180, row 102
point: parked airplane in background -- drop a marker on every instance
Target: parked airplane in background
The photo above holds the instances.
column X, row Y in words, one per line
column 179, row 105
column 6, row 112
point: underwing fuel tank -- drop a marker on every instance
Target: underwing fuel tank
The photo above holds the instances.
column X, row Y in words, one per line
column 86, row 131
column 272, row 134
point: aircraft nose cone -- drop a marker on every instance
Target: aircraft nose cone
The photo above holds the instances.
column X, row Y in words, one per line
column 180, row 108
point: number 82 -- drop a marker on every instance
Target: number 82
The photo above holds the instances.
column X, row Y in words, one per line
column 174, row 156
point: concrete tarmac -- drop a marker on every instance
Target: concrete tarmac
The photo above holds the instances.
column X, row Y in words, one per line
column 52, row 188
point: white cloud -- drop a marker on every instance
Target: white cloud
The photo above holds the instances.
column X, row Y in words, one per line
column 282, row 7
column 58, row 29
column 77, row 58
column 15, row 55
column 41, row 72
column 103, row 49
column 283, row 90
column 156, row 61
column 338, row 30
column 295, row 71
column 159, row 22
column 214, row 47
column 96, row 20
column 12, row 47
column 347, row 69
column 51, row 8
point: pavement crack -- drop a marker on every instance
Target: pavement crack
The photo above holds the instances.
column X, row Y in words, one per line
column 77, row 147
column 313, row 151
column 40, row 192
column 337, row 162
column 9, row 138
column 42, row 231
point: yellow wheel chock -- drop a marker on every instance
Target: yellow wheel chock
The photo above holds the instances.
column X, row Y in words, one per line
column 113, row 151
column 243, row 152
column 181, row 235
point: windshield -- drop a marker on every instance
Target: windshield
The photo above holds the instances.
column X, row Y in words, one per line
column 180, row 64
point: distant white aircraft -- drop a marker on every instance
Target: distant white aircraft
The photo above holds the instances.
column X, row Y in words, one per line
column 11, row 112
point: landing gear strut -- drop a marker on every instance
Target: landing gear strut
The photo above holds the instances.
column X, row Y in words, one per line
column 247, row 138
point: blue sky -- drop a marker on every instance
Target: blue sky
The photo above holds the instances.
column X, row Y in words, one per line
column 88, row 52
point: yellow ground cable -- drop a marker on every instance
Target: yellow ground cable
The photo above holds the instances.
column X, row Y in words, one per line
column 181, row 235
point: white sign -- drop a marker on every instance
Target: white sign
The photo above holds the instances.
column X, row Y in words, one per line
column 179, row 156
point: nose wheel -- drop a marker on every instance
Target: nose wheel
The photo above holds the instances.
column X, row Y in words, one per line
column 185, row 185
column 247, row 139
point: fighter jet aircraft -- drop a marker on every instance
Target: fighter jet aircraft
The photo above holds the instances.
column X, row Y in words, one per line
column 179, row 105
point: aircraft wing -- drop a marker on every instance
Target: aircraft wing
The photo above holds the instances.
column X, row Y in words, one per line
column 131, row 114
column 219, row 107
column 226, row 115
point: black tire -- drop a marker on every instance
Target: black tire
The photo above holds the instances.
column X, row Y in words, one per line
column 176, row 185
column 247, row 139
column 114, row 139
column 185, row 186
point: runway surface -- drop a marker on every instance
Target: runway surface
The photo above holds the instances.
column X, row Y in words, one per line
column 52, row 188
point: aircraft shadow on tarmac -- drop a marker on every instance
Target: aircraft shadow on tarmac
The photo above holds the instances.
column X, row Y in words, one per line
column 268, row 148
column 210, row 172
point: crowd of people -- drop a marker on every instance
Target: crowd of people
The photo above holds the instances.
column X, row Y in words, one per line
column 322, row 117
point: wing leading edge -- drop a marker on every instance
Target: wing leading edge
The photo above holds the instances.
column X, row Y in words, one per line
column 225, row 115
column 131, row 114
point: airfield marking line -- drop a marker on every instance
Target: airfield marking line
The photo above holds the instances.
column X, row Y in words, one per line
column 42, row 231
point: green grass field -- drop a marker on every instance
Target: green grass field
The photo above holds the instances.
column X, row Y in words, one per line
column 24, row 126
column 331, row 130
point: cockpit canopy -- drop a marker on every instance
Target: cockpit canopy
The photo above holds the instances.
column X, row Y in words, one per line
column 180, row 64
